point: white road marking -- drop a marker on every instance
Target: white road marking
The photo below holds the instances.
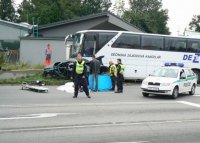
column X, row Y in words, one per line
column 94, row 126
column 35, row 116
column 189, row 103
column 196, row 95
column 86, row 104
column 132, row 142
column 31, row 116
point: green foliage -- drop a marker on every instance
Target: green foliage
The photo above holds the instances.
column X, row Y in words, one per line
column 94, row 6
column 26, row 10
column 195, row 23
column 46, row 10
column 48, row 81
column 148, row 15
column 70, row 9
column 145, row 14
column 7, row 11
column 56, row 10
column 2, row 61
column 21, row 66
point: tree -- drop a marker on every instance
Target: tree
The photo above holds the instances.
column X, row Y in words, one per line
column 148, row 15
column 70, row 9
column 47, row 11
column 94, row 6
column 118, row 7
column 7, row 10
column 25, row 11
column 195, row 23
column 56, row 10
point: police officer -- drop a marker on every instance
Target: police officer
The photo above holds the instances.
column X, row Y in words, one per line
column 120, row 76
column 113, row 74
column 80, row 76
column 94, row 70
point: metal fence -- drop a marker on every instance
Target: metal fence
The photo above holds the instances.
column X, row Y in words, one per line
column 9, row 50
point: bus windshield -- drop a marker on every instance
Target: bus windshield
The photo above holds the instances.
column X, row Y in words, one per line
column 85, row 43
column 88, row 43
column 94, row 41
column 76, row 46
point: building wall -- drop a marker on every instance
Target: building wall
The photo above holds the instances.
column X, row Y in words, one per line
column 10, row 33
column 32, row 51
column 107, row 26
column 10, row 42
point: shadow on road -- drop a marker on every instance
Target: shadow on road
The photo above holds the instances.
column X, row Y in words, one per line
column 164, row 97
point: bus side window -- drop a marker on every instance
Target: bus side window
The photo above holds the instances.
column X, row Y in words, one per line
column 104, row 38
column 152, row 43
column 193, row 46
column 128, row 41
column 175, row 44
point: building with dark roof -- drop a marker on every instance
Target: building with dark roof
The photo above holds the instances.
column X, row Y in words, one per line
column 101, row 21
column 12, row 31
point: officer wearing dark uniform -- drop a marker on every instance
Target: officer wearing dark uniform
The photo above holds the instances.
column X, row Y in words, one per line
column 120, row 76
column 113, row 74
column 80, row 76
column 94, row 70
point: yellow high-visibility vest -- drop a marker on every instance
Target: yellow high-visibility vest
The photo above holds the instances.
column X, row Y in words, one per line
column 122, row 69
column 80, row 67
column 113, row 70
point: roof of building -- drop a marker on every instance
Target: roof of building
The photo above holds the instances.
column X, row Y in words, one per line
column 113, row 19
column 14, row 25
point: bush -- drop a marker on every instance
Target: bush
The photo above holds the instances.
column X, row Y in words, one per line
column 2, row 61
column 21, row 66
column 28, row 79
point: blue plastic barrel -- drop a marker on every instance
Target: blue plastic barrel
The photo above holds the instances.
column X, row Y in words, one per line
column 104, row 82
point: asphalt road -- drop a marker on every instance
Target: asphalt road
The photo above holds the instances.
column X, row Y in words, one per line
column 55, row 117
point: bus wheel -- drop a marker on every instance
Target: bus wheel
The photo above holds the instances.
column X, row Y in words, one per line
column 198, row 75
column 175, row 93
column 145, row 94
column 192, row 92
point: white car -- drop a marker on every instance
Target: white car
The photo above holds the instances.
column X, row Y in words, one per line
column 170, row 80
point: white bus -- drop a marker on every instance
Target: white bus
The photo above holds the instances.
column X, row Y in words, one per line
column 141, row 53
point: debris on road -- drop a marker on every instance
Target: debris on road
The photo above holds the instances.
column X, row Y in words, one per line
column 68, row 87
column 37, row 86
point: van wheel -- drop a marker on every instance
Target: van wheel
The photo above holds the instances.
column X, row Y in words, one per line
column 175, row 93
column 145, row 94
column 198, row 75
column 192, row 92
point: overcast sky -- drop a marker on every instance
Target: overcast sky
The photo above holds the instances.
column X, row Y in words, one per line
column 180, row 13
